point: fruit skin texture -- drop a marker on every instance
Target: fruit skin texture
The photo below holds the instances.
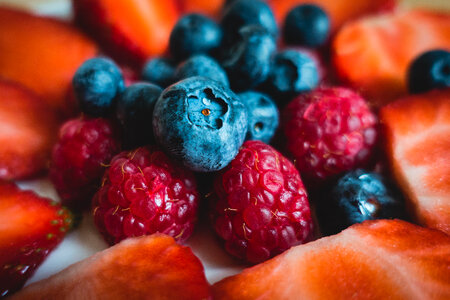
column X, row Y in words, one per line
column 31, row 227
column 42, row 54
column 329, row 131
column 28, row 129
column 201, row 65
column 417, row 135
column 373, row 54
column 85, row 146
column 158, row 70
column 356, row 197
column 132, row 31
column 201, row 123
column 261, row 208
column 431, row 70
column 160, row 268
column 369, row 255
column 144, row 192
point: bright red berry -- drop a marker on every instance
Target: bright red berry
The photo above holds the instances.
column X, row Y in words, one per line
column 144, row 192
column 79, row 157
column 261, row 206
column 329, row 131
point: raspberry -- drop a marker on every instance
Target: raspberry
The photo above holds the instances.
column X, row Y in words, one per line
column 261, row 206
column 144, row 192
column 329, row 131
column 78, row 159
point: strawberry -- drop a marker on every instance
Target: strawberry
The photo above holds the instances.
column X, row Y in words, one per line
column 27, row 132
column 373, row 54
column 207, row 7
column 41, row 53
column 149, row 267
column 385, row 259
column 417, row 130
column 30, row 228
column 131, row 30
column 339, row 11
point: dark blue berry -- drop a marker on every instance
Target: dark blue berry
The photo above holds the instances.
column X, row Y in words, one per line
column 248, row 61
column 242, row 13
column 292, row 72
column 431, row 70
column 134, row 111
column 96, row 83
column 360, row 196
column 201, row 65
column 194, row 34
column 262, row 115
column 306, row 25
column 200, row 122
column 158, row 70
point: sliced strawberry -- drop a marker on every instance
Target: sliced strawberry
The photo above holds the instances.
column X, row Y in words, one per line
column 386, row 259
column 339, row 11
column 417, row 132
column 373, row 54
column 28, row 129
column 41, row 53
column 207, row 7
column 30, row 227
column 148, row 267
column 131, row 30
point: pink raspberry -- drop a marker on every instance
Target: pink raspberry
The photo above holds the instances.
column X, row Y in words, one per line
column 79, row 157
column 144, row 192
column 261, row 206
column 329, row 131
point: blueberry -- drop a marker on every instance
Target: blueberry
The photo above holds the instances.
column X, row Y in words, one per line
column 96, row 83
column 200, row 122
column 292, row 72
column 158, row 70
column 248, row 61
column 431, row 70
column 201, row 65
column 194, row 34
column 306, row 25
column 241, row 13
column 358, row 196
column 134, row 111
column 262, row 115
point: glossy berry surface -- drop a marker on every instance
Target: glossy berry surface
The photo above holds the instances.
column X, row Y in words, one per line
column 329, row 131
column 200, row 123
column 159, row 71
column 431, row 70
column 144, row 192
column 134, row 110
column 194, row 34
column 201, row 65
column 306, row 25
column 247, row 61
column 262, row 115
column 261, row 206
column 292, row 72
column 84, row 147
column 96, row 84
column 358, row 196
column 241, row 13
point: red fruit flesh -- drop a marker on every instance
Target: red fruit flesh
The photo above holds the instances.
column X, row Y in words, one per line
column 385, row 259
column 41, row 53
column 417, row 130
column 329, row 131
column 144, row 192
column 84, row 148
column 30, row 227
column 208, row 7
column 131, row 30
column 373, row 54
column 151, row 267
column 27, row 132
column 261, row 205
